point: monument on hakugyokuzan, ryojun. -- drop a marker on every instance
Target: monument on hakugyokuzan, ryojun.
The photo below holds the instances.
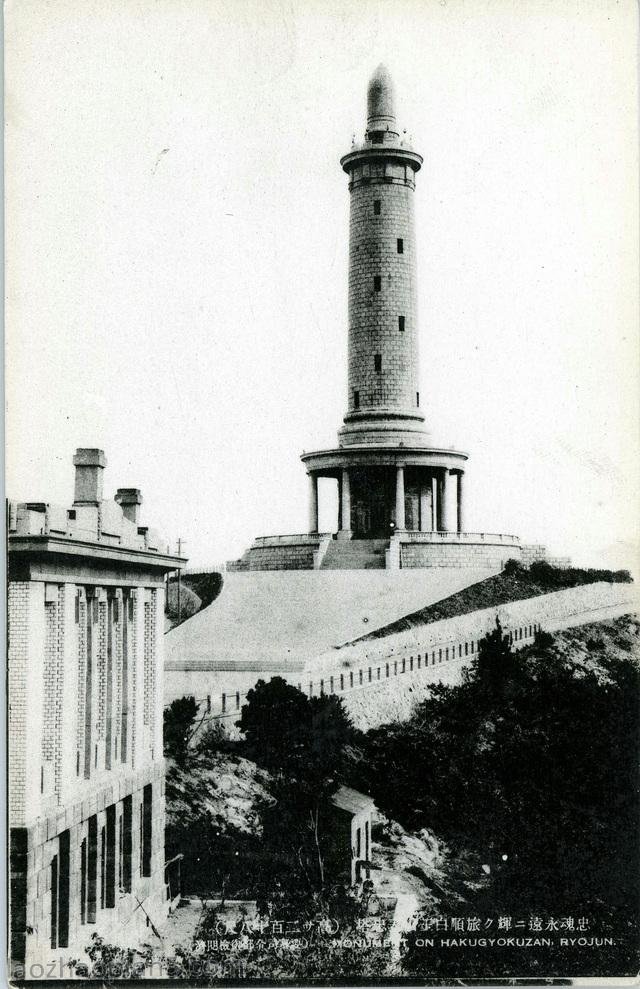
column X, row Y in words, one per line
column 400, row 497
column 399, row 542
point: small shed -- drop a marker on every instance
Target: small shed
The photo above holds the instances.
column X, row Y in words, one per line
column 352, row 812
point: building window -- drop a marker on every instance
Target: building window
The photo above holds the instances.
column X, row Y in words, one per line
column 377, row 360
column 92, row 870
column 376, row 207
column 64, row 846
column 140, row 839
column 110, row 861
column 103, row 866
column 418, row 399
column 377, row 283
column 377, row 137
column 400, row 245
column 121, row 847
column 356, row 399
column 358, row 843
column 54, row 901
column 147, row 804
column 127, row 842
column 83, row 881
column 401, row 323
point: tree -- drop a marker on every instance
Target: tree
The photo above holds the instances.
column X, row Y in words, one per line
column 274, row 722
column 179, row 727
column 495, row 666
column 304, row 742
column 293, row 735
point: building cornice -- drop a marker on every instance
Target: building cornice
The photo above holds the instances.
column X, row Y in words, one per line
column 47, row 545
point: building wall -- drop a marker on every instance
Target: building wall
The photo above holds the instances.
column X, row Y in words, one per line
column 532, row 553
column 85, row 669
column 98, row 890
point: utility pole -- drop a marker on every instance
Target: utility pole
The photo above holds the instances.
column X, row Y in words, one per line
column 181, row 543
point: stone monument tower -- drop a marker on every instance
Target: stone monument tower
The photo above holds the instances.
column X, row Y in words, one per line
column 400, row 497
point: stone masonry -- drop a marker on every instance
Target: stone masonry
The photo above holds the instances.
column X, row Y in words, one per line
column 382, row 321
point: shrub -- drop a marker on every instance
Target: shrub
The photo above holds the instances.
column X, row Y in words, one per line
column 179, row 727
column 189, row 602
column 512, row 567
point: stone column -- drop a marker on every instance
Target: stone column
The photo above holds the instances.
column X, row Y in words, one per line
column 444, row 492
column 426, row 506
column 460, row 503
column 440, row 500
column 445, row 511
column 345, row 514
column 313, row 503
column 400, row 521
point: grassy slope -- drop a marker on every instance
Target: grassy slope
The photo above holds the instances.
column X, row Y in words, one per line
column 198, row 591
column 504, row 587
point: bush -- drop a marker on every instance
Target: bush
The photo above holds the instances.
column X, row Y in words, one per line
column 189, row 602
column 179, row 727
column 512, row 567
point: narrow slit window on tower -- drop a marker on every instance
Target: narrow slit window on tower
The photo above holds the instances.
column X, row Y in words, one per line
column 418, row 399
column 401, row 324
column 377, row 360
column 356, row 399
column 376, row 207
column 377, row 283
column 400, row 243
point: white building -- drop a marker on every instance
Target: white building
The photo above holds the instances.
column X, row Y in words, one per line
column 85, row 680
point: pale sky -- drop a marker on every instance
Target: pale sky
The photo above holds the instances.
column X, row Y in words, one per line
column 177, row 225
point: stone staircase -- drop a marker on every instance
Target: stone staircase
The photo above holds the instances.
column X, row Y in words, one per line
column 355, row 554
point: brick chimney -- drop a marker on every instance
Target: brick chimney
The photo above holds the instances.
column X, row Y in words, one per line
column 89, row 466
column 129, row 500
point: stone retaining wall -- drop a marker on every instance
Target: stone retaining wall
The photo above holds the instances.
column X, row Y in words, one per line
column 285, row 557
column 452, row 554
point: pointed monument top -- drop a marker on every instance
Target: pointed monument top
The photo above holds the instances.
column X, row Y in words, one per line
column 380, row 100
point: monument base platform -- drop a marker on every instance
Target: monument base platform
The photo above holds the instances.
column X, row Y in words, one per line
column 403, row 550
